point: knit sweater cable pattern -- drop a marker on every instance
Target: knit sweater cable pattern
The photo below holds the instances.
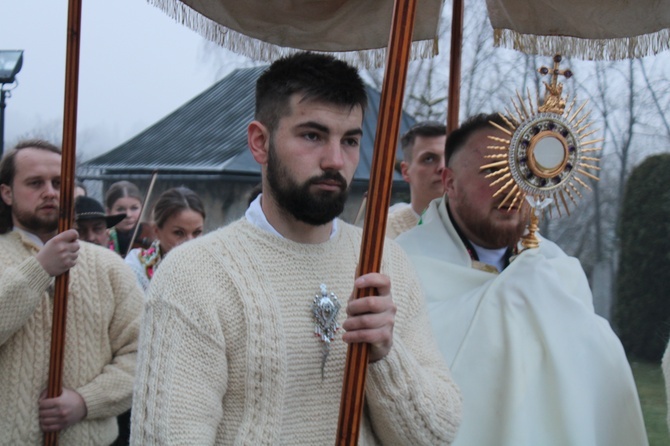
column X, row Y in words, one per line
column 401, row 220
column 104, row 306
column 228, row 353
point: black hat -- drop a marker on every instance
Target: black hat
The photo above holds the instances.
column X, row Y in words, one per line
column 86, row 208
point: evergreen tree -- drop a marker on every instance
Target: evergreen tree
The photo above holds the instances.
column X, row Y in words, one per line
column 642, row 312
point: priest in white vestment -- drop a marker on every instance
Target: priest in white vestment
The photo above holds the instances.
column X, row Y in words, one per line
column 535, row 364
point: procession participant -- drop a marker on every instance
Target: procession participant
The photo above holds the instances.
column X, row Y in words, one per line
column 535, row 364
column 178, row 216
column 91, row 222
column 102, row 315
column 123, row 197
column 422, row 166
column 228, row 350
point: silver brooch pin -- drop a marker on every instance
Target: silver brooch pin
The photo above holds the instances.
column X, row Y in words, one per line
column 325, row 309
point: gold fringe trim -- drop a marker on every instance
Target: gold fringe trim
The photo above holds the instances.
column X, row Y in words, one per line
column 268, row 52
column 589, row 49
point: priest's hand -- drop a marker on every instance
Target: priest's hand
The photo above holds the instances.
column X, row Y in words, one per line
column 56, row 414
column 59, row 254
column 370, row 319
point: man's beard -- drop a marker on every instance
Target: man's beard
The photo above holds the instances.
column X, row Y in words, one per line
column 490, row 231
column 35, row 224
column 296, row 199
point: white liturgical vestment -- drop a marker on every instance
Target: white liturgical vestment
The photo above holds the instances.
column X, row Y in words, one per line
column 535, row 364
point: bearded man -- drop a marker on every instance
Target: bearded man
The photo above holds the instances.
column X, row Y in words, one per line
column 535, row 364
column 104, row 304
column 228, row 352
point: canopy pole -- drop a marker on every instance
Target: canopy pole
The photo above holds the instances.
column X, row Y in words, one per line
column 68, row 163
column 454, row 95
column 379, row 198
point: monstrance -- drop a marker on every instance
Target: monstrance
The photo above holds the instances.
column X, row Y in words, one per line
column 546, row 153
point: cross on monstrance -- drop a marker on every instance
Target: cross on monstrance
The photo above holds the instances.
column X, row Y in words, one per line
column 553, row 103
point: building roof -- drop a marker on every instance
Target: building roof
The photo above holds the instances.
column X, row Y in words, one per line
column 208, row 135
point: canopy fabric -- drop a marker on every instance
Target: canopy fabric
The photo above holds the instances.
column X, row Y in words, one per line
column 357, row 31
column 591, row 29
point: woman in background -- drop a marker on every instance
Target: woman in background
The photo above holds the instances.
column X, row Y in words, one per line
column 123, row 197
column 178, row 216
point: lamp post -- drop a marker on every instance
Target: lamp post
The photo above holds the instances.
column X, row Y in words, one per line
column 10, row 64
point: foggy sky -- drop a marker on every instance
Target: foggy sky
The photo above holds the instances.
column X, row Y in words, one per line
column 136, row 66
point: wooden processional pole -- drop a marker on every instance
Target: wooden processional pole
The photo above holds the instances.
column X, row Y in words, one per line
column 142, row 212
column 454, row 95
column 55, row 385
column 379, row 199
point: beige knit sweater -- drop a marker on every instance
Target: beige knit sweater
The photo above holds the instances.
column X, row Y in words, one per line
column 228, row 353
column 401, row 220
column 104, row 306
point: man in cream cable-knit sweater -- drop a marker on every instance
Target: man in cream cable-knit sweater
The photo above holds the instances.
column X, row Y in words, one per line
column 228, row 352
column 104, row 304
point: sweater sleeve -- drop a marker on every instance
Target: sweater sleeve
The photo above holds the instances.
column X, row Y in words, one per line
column 410, row 394
column 400, row 221
column 22, row 288
column 110, row 393
column 182, row 369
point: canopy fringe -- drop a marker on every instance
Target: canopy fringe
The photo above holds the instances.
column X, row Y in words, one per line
column 590, row 49
column 268, row 52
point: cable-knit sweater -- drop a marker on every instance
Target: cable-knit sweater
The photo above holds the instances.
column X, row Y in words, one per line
column 228, row 353
column 400, row 220
column 104, row 306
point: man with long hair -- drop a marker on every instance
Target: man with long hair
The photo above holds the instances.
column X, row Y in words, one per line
column 104, row 304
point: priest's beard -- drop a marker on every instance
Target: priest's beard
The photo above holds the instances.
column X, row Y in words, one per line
column 296, row 199
column 34, row 223
column 496, row 234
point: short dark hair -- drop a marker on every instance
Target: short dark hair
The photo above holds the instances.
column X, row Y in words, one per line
column 426, row 129
column 8, row 172
column 121, row 189
column 175, row 200
column 317, row 76
column 456, row 139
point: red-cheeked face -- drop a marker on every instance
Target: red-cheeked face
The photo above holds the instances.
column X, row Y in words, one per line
column 34, row 193
column 470, row 196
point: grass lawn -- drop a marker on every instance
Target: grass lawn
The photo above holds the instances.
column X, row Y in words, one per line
column 651, row 387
